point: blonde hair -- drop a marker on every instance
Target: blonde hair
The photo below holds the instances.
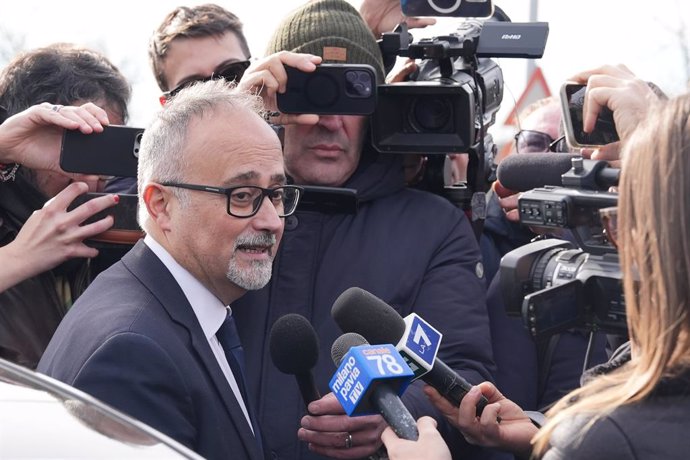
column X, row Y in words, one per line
column 654, row 235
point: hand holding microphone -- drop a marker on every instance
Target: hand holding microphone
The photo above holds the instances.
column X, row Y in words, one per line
column 357, row 310
column 370, row 379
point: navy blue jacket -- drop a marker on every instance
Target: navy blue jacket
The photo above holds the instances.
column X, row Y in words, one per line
column 132, row 340
column 414, row 250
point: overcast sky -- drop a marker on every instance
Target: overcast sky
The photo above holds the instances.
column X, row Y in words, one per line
column 583, row 34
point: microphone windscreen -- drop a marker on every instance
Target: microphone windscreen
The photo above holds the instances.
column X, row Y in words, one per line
column 343, row 344
column 360, row 311
column 526, row 171
column 293, row 344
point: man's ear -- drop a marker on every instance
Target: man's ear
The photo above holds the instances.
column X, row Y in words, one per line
column 158, row 204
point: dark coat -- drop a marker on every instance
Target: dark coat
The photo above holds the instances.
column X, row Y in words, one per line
column 656, row 428
column 132, row 340
column 30, row 311
column 414, row 250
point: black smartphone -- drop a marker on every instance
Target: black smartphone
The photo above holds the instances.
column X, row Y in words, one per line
column 331, row 89
column 572, row 101
column 125, row 229
column 113, row 152
column 455, row 8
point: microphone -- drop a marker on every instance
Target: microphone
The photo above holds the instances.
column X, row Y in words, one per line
column 527, row 171
column 370, row 379
column 357, row 310
column 294, row 349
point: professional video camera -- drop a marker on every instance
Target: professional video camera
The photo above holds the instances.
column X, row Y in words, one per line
column 448, row 105
column 554, row 284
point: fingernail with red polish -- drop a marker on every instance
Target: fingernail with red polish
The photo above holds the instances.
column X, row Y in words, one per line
column 116, row 198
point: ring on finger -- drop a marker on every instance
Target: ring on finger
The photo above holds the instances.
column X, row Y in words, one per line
column 56, row 108
column 348, row 441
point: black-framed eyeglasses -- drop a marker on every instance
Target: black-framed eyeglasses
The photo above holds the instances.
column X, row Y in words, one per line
column 529, row 141
column 245, row 200
column 231, row 72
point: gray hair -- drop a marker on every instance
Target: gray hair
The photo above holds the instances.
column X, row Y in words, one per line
column 162, row 155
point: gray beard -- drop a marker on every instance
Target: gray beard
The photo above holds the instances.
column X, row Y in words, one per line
column 259, row 273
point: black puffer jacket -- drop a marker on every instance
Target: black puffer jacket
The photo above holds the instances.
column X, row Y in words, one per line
column 414, row 250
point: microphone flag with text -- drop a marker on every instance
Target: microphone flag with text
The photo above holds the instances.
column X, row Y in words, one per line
column 357, row 310
column 370, row 380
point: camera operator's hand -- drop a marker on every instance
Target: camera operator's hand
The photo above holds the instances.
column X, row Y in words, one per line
column 401, row 73
column 267, row 77
column 508, row 202
column 430, row 444
column 384, row 15
column 513, row 432
column 626, row 95
column 33, row 137
column 331, row 433
column 53, row 235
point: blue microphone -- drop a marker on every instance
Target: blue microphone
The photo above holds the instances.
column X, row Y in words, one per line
column 370, row 379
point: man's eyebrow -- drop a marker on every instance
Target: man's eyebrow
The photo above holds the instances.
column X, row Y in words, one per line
column 279, row 178
column 253, row 175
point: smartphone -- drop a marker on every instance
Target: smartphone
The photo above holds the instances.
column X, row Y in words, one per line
column 455, row 8
column 125, row 229
column 113, row 152
column 572, row 101
column 331, row 89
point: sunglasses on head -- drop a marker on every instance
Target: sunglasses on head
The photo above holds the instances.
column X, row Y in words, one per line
column 230, row 72
column 528, row 141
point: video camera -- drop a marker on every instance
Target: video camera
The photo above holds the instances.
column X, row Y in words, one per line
column 555, row 284
column 450, row 102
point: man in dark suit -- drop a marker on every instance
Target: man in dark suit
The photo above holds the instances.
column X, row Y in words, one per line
column 150, row 335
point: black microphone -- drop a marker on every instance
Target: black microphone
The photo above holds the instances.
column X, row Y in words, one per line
column 377, row 391
column 357, row 310
column 527, row 171
column 294, row 349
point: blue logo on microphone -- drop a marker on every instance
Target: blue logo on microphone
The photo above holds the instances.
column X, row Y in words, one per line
column 422, row 339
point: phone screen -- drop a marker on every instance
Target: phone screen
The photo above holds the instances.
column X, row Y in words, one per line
column 604, row 132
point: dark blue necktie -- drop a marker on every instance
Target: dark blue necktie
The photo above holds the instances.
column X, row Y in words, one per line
column 234, row 353
column 230, row 341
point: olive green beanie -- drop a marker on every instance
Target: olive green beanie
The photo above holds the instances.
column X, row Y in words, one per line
column 332, row 29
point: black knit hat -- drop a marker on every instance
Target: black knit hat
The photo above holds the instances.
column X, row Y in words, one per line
column 332, row 29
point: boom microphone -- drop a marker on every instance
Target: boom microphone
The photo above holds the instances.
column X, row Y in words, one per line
column 357, row 310
column 369, row 379
column 527, row 171
column 294, row 349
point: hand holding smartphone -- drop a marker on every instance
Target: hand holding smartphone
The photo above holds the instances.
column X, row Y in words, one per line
column 572, row 102
column 331, row 89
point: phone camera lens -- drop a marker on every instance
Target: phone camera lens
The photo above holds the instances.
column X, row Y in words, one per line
column 358, row 84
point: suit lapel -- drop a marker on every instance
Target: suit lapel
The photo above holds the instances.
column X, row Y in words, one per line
column 153, row 274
